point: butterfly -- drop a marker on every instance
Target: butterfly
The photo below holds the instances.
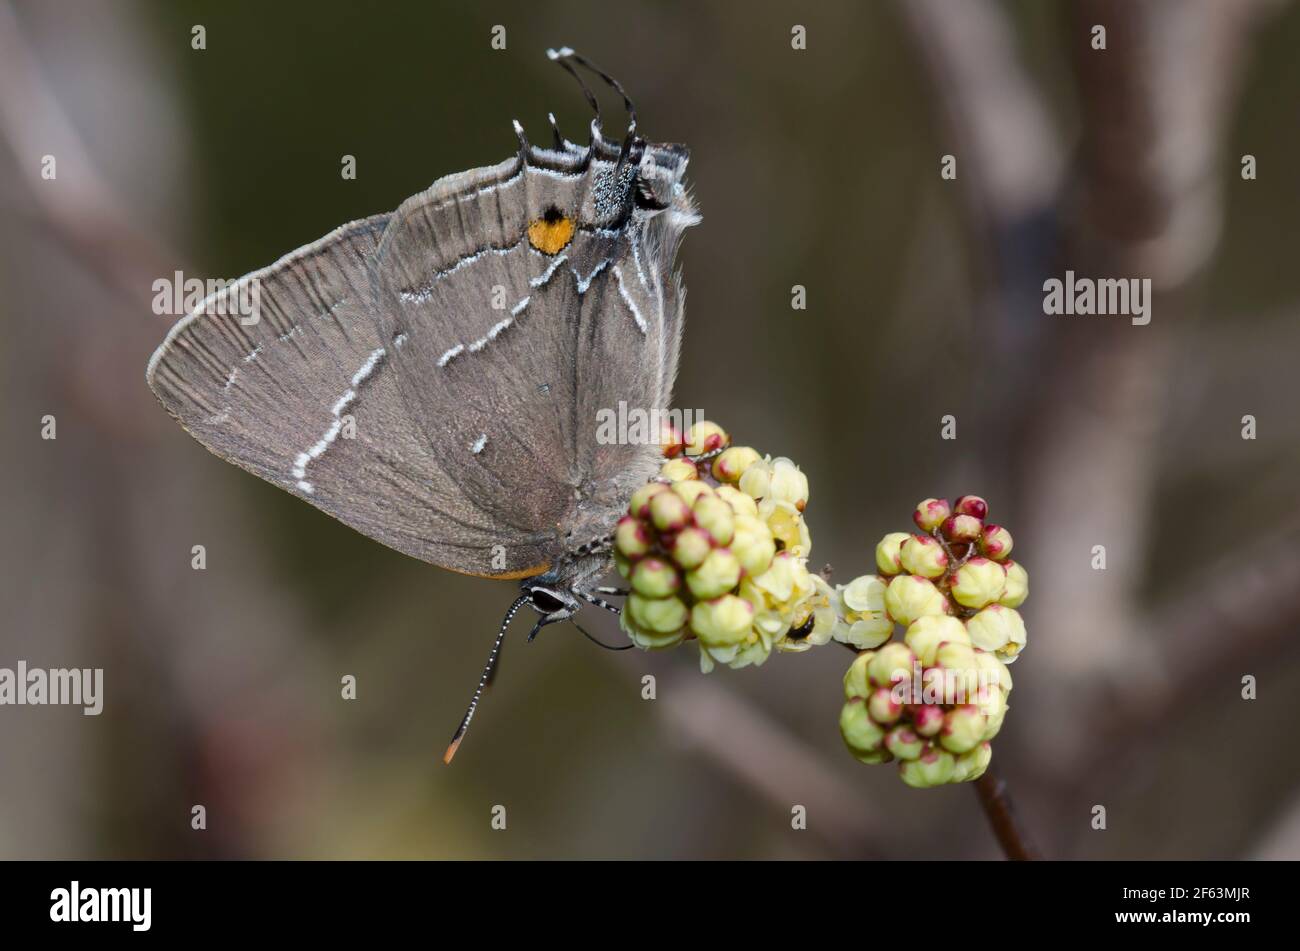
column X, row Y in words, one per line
column 432, row 377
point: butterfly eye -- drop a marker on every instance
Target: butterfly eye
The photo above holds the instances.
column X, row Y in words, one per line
column 544, row 601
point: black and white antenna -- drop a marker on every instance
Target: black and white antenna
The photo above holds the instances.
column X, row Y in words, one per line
column 483, row 681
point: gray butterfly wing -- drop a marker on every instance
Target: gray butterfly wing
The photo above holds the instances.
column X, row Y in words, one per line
column 520, row 304
column 306, row 399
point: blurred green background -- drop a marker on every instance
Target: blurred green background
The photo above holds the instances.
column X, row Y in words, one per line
column 817, row 167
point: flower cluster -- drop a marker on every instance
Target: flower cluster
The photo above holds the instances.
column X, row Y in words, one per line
column 715, row 549
column 935, row 700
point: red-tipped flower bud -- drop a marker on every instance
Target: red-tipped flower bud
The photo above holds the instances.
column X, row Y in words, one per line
column 669, row 512
column 671, row 440
column 962, row 528
column 927, row 719
column 931, row 513
column 996, row 542
column 882, row 706
column 632, row 538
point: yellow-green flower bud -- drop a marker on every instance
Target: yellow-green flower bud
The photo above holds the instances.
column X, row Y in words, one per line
column 993, row 704
column 660, row 615
column 889, row 553
column 993, row 672
column 998, row 629
column 690, row 547
column 691, row 489
column 788, row 484
column 931, row 513
column 891, row 664
column 978, row 582
column 903, row 742
column 963, row 728
column 740, row 503
column 640, row 504
column 960, row 672
column 861, row 735
column 932, row 768
column 995, row 541
column 722, row 622
column 922, row 555
column 668, row 512
column 1017, row 585
column 874, row 758
column 924, row 635
column 632, row 538
column 882, row 706
column 910, row 597
column 753, row 545
column 655, row 578
column 733, row 462
column 972, row 764
column 622, row 564
column 679, row 470
column 647, row 639
column 716, row 575
column 994, row 719
column 715, row 516
column 704, row 437
column 856, row 683
column 756, row 480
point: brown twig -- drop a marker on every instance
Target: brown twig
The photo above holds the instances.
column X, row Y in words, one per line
column 998, row 807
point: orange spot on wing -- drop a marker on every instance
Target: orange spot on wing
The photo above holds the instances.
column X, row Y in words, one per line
column 551, row 234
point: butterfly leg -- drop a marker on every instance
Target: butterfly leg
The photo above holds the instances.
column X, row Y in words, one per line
column 598, row 602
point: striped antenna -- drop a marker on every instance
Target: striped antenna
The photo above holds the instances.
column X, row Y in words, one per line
column 483, row 681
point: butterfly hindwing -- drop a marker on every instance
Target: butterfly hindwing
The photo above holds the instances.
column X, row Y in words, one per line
column 512, row 347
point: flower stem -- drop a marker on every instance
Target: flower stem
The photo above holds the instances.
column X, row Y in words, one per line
column 1016, row 843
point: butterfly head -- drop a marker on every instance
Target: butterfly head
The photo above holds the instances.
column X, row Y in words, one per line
column 553, row 603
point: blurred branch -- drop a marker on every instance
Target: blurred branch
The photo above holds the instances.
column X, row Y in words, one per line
column 1009, row 156
column 1001, row 813
column 764, row 756
column 119, row 547
column 1145, row 202
column 1009, row 162
column 1282, row 840
column 80, row 208
column 1227, row 616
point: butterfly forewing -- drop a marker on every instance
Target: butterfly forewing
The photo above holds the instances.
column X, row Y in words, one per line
column 435, row 378
column 305, row 397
